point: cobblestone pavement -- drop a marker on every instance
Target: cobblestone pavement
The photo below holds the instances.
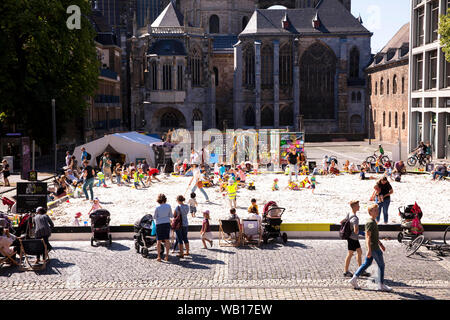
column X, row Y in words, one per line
column 302, row 269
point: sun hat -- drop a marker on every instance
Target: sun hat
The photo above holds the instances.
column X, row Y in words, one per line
column 78, row 214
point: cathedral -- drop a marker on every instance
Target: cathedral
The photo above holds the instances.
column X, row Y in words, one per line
column 251, row 64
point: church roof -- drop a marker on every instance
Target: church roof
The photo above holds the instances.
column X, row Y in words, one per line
column 397, row 49
column 170, row 17
column 334, row 18
column 167, row 47
column 224, row 42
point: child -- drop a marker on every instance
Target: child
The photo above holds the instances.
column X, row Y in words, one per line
column 325, row 165
column 232, row 188
column 118, row 172
column 101, row 179
column 193, row 204
column 138, row 178
column 152, row 172
column 76, row 221
column 254, row 205
column 242, row 176
column 378, row 165
column 251, row 185
column 275, row 185
column 346, row 166
column 222, row 170
column 95, row 206
column 388, row 168
column 313, row 184
column 206, row 230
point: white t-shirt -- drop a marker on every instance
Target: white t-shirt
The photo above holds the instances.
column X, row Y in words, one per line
column 195, row 158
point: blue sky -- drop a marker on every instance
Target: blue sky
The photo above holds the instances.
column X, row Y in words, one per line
column 382, row 17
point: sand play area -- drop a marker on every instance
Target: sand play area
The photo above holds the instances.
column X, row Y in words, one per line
column 328, row 204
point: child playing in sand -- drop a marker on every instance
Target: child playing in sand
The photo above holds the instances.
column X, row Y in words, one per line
column 275, row 185
column 95, row 206
column 206, row 230
column 101, row 179
column 193, row 204
column 138, row 177
column 118, row 173
column 253, row 205
column 76, row 221
column 313, row 184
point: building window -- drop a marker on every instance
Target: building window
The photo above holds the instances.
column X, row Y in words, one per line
column 418, row 66
column 249, row 66
column 216, row 76
column 394, row 85
column 214, row 24
column 376, row 87
column 403, row 85
column 179, row 77
column 417, row 103
column 419, row 18
column 358, row 97
column 390, row 123
column 353, row 97
column 286, row 116
column 381, row 86
column 196, row 116
column 285, row 65
column 196, row 63
column 434, row 20
column 384, row 118
column 249, row 116
column 403, row 121
column 354, row 63
column 317, row 88
column 446, row 72
column 167, row 77
column 267, row 117
column 374, row 115
column 432, row 69
column 396, row 120
column 154, row 75
column 267, row 67
column 169, row 120
column 388, row 86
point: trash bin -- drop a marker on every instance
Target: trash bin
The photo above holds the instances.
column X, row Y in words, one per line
column 10, row 160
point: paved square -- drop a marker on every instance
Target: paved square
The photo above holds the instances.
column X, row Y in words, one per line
column 302, row 269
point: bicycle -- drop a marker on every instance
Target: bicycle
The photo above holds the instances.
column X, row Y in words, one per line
column 413, row 159
column 420, row 240
column 375, row 156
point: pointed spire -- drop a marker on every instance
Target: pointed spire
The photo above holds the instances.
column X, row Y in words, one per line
column 360, row 19
column 316, row 21
column 285, row 21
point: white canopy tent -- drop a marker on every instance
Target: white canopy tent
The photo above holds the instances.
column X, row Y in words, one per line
column 131, row 144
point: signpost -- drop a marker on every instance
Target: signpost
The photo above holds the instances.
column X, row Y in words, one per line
column 31, row 195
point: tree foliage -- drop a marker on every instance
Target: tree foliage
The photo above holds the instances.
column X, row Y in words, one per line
column 41, row 59
column 444, row 31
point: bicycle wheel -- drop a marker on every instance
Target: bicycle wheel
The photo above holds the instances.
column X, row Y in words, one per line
column 385, row 159
column 412, row 161
column 371, row 159
column 412, row 247
column 447, row 236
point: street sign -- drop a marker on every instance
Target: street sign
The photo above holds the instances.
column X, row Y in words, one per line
column 31, row 195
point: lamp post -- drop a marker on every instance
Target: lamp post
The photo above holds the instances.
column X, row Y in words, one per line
column 370, row 124
column 54, row 129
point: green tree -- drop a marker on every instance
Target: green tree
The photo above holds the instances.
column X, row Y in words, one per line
column 444, row 31
column 41, row 59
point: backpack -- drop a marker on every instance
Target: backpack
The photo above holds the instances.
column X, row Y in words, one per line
column 88, row 157
column 345, row 231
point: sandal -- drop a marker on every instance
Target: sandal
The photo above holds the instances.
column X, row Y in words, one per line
column 158, row 259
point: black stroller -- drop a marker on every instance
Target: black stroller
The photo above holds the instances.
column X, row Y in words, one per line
column 100, row 227
column 271, row 222
column 143, row 238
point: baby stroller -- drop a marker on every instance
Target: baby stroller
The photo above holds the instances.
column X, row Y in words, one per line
column 411, row 227
column 100, row 226
column 144, row 237
column 271, row 222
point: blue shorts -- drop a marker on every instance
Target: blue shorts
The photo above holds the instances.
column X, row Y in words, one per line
column 193, row 209
column 182, row 235
column 163, row 231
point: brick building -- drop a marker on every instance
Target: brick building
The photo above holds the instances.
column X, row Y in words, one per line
column 388, row 90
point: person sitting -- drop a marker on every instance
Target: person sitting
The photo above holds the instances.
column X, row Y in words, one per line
column 8, row 242
column 234, row 216
column 440, row 171
column 333, row 169
column 252, row 215
column 399, row 167
column 388, row 168
column 253, row 205
column 346, row 167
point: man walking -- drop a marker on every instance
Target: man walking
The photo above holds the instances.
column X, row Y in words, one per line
column 293, row 159
column 373, row 251
column 105, row 164
column 353, row 242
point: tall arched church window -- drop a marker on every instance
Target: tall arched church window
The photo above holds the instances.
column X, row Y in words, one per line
column 195, row 64
column 267, row 67
column 267, row 117
column 358, row 96
column 154, row 75
column 317, row 71
column 382, row 86
column 354, row 63
column 249, row 66
column 214, row 24
column 285, row 63
column 286, row 116
column 249, row 117
column 169, row 120
column 216, row 76
column 394, row 85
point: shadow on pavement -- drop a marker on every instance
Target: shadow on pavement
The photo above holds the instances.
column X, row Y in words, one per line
column 118, row 247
